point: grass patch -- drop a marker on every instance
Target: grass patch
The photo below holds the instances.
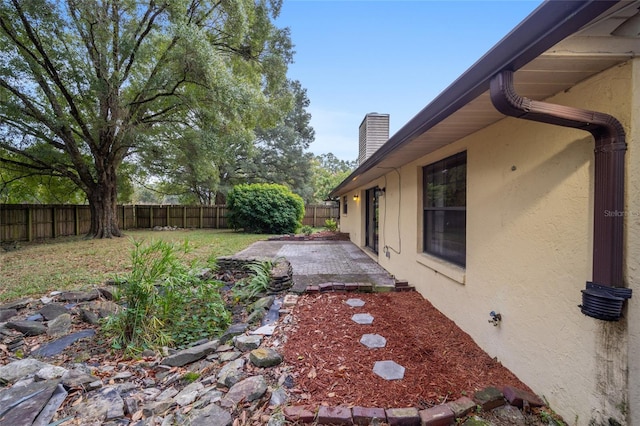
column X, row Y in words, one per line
column 74, row 263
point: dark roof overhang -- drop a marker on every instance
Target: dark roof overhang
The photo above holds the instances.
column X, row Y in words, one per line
column 467, row 97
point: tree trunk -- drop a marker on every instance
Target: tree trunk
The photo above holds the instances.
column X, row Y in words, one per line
column 102, row 204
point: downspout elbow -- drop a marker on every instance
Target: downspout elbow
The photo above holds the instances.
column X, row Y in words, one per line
column 610, row 148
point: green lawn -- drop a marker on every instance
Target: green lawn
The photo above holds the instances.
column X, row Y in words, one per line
column 35, row 269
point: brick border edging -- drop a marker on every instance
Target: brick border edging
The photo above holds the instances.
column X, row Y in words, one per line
column 438, row 415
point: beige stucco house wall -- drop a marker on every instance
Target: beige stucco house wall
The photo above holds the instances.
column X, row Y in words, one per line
column 529, row 251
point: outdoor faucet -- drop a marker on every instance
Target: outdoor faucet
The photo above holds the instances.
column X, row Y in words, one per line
column 495, row 318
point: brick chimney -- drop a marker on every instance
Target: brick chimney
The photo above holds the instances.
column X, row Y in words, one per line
column 374, row 132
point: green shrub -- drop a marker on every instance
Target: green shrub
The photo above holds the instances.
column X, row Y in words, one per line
column 258, row 282
column 265, row 208
column 331, row 225
column 306, row 230
column 166, row 304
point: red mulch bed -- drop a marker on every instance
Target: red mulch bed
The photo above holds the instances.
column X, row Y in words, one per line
column 331, row 366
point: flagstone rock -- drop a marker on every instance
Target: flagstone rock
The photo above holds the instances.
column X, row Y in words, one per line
column 28, row 328
column 27, row 402
column 232, row 331
column 265, row 330
column 189, row 394
column 265, row 357
column 248, row 343
column 52, row 310
column 79, row 296
column 355, row 303
column 16, row 370
column 59, row 326
column 211, row 415
column 231, row 373
column 229, row 356
column 106, row 404
column 247, row 390
column 50, row 372
column 6, row 314
column 57, row 346
column 76, row 378
column 263, row 303
column 17, row 304
column 89, row 317
column 190, row 355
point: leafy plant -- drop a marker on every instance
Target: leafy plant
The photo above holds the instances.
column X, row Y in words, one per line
column 331, row 225
column 257, row 283
column 166, row 304
column 306, row 230
column 265, row 208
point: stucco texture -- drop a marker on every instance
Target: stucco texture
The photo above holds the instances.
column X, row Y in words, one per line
column 529, row 251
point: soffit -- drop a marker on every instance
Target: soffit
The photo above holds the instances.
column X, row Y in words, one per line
column 586, row 53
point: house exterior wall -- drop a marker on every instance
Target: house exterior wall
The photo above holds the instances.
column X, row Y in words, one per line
column 529, row 252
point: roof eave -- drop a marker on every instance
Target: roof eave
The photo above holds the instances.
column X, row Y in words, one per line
column 546, row 26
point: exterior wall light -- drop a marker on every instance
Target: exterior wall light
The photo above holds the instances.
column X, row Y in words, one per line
column 355, row 197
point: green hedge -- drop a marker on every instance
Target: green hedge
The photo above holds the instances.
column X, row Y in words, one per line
column 265, row 208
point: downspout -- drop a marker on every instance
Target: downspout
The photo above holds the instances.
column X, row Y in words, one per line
column 604, row 297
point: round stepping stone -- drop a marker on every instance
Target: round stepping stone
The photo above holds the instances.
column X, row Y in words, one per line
column 389, row 370
column 355, row 303
column 373, row 341
column 362, row 318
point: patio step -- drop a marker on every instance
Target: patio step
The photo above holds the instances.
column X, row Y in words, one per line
column 403, row 285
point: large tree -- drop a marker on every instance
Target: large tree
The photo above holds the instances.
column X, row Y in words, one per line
column 87, row 84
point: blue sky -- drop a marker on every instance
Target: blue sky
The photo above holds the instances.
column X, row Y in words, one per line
column 356, row 57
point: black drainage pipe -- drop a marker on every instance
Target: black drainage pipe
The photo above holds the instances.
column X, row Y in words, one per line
column 604, row 297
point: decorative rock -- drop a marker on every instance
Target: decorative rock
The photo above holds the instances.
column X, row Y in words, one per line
column 76, row 378
column 35, row 317
column 373, row 341
column 489, row 398
column 290, row 300
column 298, row 414
column 130, row 406
column 123, row 375
column 367, row 416
column 265, row 330
column 167, row 394
column 157, row 407
column 228, row 356
column 510, row 415
column 5, row 314
column 18, row 369
column 189, row 394
column 255, row 316
column 263, row 303
column 17, row 304
column 355, row 303
column 89, row 317
column 79, row 296
column 265, row 357
column 210, row 415
column 362, row 318
column 518, row 396
column 224, row 348
column 59, row 326
column 28, row 328
column 28, row 401
column 403, row 417
column 50, row 372
column 231, row 373
column 461, row 406
column 248, row 343
column 476, row 421
column 439, row 415
column 388, row 370
column 190, row 355
column 247, row 390
column 104, row 308
column 107, row 292
column 57, row 346
column 334, row 415
column 232, row 331
column 278, row 397
column 104, row 405
column 52, row 311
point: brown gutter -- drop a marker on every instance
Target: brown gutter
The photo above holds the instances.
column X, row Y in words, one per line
column 604, row 296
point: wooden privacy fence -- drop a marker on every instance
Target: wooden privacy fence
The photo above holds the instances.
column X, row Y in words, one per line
column 28, row 222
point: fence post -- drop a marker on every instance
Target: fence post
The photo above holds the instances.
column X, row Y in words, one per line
column 315, row 216
column 135, row 217
column 151, row 217
column 168, row 215
column 124, row 218
column 53, row 219
column 217, row 216
column 184, row 217
column 29, row 224
column 76, row 221
column 201, row 217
